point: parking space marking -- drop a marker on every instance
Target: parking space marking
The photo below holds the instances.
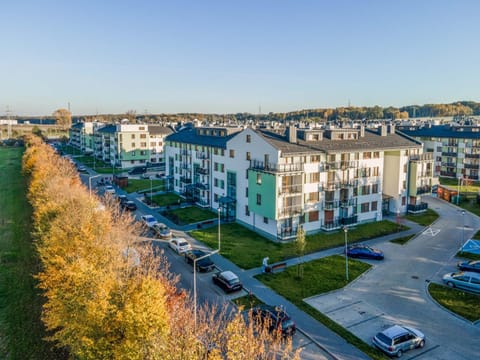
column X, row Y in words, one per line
column 365, row 320
column 431, row 231
column 343, row 307
column 424, row 352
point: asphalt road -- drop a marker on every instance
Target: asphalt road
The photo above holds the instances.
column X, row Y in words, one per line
column 395, row 290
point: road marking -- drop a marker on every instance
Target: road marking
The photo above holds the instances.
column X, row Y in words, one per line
column 365, row 320
column 342, row 307
column 423, row 353
column 431, row 231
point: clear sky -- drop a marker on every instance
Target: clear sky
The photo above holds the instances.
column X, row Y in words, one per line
column 225, row 56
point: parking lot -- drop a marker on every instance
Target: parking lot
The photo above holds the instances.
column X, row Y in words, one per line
column 395, row 292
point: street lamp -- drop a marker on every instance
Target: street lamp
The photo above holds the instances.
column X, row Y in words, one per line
column 90, row 183
column 345, row 229
column 458, row 193
column 151, row 188
column 463, row 230
column 219, row 210
column 195, row 283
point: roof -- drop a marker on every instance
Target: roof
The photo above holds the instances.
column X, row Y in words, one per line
column 441, row 131
column 371, row 141
column 190, row 136
column 159, row 130
column 108, row 129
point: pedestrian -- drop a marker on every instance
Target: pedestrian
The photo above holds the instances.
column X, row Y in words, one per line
column 265, row 264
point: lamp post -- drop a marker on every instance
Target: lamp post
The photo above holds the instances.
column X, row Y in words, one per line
column 463, row 230
column 219, row 210
column 458, row 193
column 345, row 229
column 90, row 183
column 151, row 188
column 195, row 283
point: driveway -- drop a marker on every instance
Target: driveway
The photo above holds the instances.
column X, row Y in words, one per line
column 395, row 290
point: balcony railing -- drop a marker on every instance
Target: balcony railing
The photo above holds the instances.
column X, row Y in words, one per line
column 286, row 232
column 348, row 202
column 426, row 189
column 290, row 211
column 471, row 166
column 415, row 209
column 448, row 153
column 203, row 171
column 472, row 156
column 342, row 165
column 271, row 167
column 448, row 174
column 203, row 155
column 331, row 204
column 422, row 157
column 290, row 189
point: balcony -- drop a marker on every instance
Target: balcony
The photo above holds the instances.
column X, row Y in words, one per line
column 416, row 209
column 342, row 165
column 286, row 233
column 425, row 189
column 471, row 166
column 203, row 171
column 472, row 156
column 185, row 180
column 331, row 204
column 448, row 174
column 275, row 168
column 348, row 202
column 423, row 157
column 185, row 166
column 450, row 154
column 184, row 152
column 290, row 211
column 450, row 164
column 203, row 155
column 290, row 189
column 338, row 223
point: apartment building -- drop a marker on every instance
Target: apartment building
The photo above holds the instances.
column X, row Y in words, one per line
column 322, row 179
column 455, row 148
column 121, row 145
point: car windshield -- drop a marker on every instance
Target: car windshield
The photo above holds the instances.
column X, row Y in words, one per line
column 287, row 322
column 183, row 243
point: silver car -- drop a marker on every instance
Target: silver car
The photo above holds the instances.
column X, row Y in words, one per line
column 466, row 280
column 397, row 339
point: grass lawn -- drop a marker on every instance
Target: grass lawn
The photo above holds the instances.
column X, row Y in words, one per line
column 453, row 183
column 21, row 331
column 247, row 301
column 136, row 185
column 402, row 240
column 423, row 219
column 167, row 199
column 189, row 215
column 247, row 248
column 320, row 276
column 460, row 302
column 467, row 255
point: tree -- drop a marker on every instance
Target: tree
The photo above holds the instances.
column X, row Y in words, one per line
column 300, row 247
column 63, row 118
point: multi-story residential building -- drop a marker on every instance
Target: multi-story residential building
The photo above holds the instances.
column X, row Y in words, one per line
column 454, row 147
column 121, row 145
column 322, row 179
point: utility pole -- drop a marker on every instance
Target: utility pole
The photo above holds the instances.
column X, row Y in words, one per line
column 9, row 123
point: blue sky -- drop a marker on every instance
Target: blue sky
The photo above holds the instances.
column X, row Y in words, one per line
column 235, row 56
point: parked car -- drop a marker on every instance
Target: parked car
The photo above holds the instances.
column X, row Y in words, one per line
column 204, row 265
column 149, row 220
column 82, row 168
column 145, row 176
column 361, row 251
column 473, row 265
column 129, row 205
column 466, row 280
column 179, row 245
column 162, row 231
column 227, row 280
column 276, row 318
column 397, row 339
column 109, row 189
column 137, row 170
column 122, row 198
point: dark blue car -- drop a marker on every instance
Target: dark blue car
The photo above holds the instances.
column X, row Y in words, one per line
column 364, row 252
column 473, row 265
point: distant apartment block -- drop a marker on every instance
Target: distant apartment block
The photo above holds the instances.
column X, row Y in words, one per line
column 455, row 148
column 121, row 145
column 321, row 179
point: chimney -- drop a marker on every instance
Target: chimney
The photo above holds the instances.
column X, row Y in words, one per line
column 383, row 130
column 392, row 128
column 292, row 134
column 362, row 130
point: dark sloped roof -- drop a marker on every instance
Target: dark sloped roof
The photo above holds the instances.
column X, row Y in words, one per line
column 190, row 136
column 440, row 131
column 158, row 130
column 108, row 129
column 371, row 141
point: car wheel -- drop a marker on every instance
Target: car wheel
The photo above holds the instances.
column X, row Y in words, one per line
column 421, row 344
column 450, row 284
column 399, row 353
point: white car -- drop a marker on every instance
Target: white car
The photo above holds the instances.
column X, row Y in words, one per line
column 149, row 220
column 109, row 189
column 179, row 245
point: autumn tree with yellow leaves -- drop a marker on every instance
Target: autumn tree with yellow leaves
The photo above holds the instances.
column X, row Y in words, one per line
column 103, row 303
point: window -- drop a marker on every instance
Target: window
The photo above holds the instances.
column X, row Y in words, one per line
column 365, row 189
column 133, row 145
column 365, row 207
column 374, row 205
column 355, row 191
column 313, row 197
column 404, row 184
column 248, row 155
column 246, row 192
column 375, row 189
column 265, row 220
column 232, row 153
column 215, row 182
column 249, row 138
column 313, row 216
column 143, row 144
column 375, row 171
column 405, row 168
column 376, row 155
column 314, row 177
column 247, row 211
column 367, row 155
column 143, row 136
column 215, row 197
column 133, row 136
column 259, row 179
column 259, row 199
column 403, row 201
column 315, row 158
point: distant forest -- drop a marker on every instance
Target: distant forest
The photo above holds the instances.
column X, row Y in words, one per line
column 457, row 109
